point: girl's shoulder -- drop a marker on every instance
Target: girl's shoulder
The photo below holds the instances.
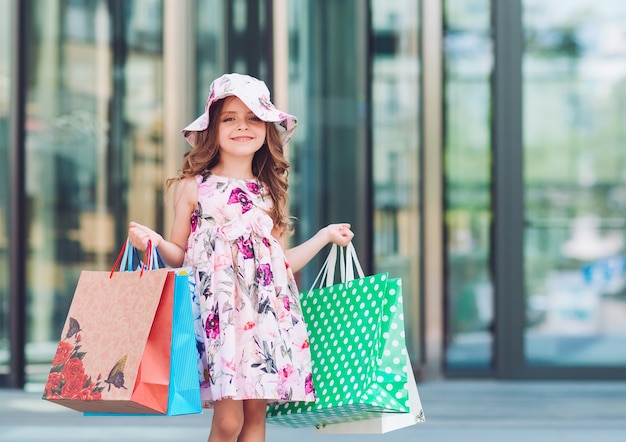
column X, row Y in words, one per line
column 186, row 193
column 186, row 187
column 189, row 182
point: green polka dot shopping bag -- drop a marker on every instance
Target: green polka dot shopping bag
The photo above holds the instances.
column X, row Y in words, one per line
column 362, row 374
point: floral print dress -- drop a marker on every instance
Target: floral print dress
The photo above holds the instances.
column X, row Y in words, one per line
column 252, row 340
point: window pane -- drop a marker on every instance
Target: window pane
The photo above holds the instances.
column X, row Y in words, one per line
column 469, row 291
column 575, row 199
column 396, row 150
column 6, row 40
column 93, row 144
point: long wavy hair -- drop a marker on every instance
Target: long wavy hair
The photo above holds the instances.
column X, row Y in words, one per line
column 269, row 164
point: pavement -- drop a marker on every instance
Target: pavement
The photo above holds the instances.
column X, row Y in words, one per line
column 467, row 411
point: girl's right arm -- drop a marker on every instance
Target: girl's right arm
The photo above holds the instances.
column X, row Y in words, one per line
column 172, row 251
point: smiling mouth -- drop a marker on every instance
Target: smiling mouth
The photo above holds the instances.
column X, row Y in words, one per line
column 242, row 138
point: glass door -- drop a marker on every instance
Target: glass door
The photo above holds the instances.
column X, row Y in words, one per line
column 574, row 157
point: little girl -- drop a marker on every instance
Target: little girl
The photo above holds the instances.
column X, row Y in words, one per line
column 231, row 226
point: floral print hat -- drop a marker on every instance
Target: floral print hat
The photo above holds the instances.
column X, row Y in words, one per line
column 254, row 94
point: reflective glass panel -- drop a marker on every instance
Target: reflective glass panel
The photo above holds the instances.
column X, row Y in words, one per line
column 93, row 148
column 6, row 40
column 467, row 162
column 210, row 48
column 327, row 93
column 396, row 150
column 575, row 177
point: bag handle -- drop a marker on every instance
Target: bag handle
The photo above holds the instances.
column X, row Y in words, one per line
column 352, row 263
column 323, row 271
column 348, row 262
column 152, row 259
column 120, row 257
column 128, row 256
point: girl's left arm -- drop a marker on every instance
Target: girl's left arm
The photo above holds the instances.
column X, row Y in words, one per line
column 299, row 256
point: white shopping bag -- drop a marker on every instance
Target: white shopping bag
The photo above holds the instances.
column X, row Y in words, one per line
column 388, row 421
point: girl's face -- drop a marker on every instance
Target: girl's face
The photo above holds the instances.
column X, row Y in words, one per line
column 240, row 131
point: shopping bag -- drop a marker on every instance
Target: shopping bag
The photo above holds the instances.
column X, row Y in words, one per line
column 393, row 370
column 114, row 352
column 361, row 372
column 184, row 385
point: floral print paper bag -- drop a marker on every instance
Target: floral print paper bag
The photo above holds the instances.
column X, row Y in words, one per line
column 114, row 352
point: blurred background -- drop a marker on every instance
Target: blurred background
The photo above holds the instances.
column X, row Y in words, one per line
column 476, row 146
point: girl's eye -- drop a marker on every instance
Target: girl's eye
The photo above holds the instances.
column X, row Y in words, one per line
column 254, row 119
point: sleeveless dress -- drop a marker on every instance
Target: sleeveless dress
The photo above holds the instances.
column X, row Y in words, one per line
column 252, row 340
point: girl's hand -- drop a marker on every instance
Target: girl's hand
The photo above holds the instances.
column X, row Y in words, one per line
column 300, row 255
column 140, row 234
column 339, row 234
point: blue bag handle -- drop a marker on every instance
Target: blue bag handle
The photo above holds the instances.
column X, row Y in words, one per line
column 129, row 261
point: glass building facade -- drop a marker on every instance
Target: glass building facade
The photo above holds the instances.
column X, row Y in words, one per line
column 534, row 188
column 474, row 145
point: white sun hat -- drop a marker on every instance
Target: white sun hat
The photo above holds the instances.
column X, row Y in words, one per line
column 254, row 94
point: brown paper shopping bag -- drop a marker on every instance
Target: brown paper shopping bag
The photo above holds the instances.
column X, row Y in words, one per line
column 114, row 352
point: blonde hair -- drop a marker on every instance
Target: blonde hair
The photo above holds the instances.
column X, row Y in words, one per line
column 269, row 165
